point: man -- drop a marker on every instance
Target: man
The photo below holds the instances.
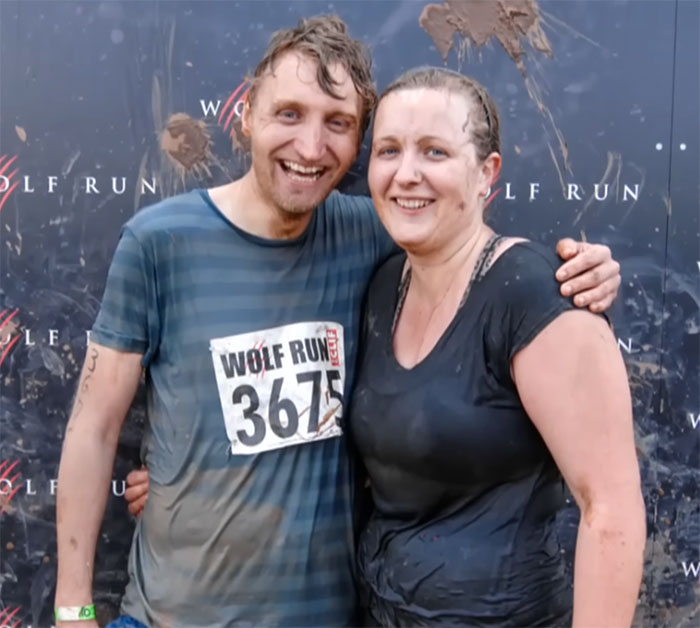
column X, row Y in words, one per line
column 243, row 305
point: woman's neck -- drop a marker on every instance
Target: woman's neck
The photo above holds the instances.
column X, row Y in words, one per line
column 433, row 275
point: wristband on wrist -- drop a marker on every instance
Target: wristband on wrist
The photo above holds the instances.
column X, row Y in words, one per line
column 75, row 613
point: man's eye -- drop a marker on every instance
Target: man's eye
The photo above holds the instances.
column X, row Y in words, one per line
column 288, row 114
column 339, row 124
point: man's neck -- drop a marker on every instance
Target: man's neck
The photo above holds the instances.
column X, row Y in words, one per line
column 245, row 206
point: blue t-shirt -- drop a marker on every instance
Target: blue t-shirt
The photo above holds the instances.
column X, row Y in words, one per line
column 249, row 346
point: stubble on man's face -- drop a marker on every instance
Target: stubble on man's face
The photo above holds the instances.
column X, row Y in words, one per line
column 303, row 141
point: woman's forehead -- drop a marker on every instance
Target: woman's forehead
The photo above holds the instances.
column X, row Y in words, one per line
column 422, row 108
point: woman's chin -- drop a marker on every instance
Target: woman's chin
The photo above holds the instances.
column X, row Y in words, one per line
column 410, row 241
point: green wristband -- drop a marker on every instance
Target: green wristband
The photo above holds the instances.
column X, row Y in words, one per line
column 75, row 613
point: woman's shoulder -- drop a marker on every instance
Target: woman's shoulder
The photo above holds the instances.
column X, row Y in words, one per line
column 526, row 260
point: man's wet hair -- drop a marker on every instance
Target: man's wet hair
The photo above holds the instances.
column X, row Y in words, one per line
column 326, row 40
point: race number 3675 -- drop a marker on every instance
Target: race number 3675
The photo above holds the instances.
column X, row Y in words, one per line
column 282, row 386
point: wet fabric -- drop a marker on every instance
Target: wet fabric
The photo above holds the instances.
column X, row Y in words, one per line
column 250, row 348
column 465, row 490
column 124, row 621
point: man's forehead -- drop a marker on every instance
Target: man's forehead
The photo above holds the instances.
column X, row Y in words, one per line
column 294, row 75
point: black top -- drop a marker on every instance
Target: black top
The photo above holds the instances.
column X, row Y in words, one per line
column 465, row 489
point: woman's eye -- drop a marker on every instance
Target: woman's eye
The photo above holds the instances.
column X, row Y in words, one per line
column 387, row 152
column 436, row 152
column 288, row 114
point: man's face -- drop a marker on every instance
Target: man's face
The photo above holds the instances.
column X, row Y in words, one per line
column 303, row 141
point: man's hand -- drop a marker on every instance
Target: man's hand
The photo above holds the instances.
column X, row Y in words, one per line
column 137, row 493
column 590, row 273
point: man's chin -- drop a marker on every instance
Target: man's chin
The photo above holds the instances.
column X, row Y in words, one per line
column 300, row 206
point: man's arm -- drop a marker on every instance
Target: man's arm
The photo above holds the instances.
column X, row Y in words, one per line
column 107, row 386
column 591, row 274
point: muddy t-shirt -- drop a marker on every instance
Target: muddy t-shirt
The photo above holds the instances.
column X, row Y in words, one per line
column 249, row 346
column 465, row 489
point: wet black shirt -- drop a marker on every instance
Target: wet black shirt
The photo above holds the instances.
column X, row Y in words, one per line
column 465, row 489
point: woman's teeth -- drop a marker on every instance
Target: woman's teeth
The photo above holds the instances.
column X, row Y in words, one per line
column 411, row 204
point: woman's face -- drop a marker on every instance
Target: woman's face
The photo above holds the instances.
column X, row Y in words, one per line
column 426, row 181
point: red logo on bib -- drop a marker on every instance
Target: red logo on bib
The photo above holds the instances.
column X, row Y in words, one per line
column 332, row 336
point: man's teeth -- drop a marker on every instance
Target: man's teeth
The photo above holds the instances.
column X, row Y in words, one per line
column 303, row 169
column 411, row 204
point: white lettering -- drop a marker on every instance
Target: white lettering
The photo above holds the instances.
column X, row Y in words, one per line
column 573, row 192
column 627, row 347
column 627, row 190
column 508, row 196
column 5, row 183
column 151, row 187
column 114, row 185
column 534, row 188
column 691, row 567
column 53, row 337
column 239, row 108
column 209, row 108
column 6, row 483
column 29, row 488
column 87, row 335
column 53, row 485
column 28, row 338
column 115, row 492
column 26, row 184
column 90, row 185
column 694, row 419
column 597, row 185
column 53, row 180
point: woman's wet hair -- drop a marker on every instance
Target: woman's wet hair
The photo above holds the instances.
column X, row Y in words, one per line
column 483, row 120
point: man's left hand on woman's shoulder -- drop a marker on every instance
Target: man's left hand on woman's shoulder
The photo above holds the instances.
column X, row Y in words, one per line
column 589, row 274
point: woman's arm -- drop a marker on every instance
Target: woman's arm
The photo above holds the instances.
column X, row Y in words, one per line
column 573, row 385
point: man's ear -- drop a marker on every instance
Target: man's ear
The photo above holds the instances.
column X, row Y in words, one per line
column 246, row 119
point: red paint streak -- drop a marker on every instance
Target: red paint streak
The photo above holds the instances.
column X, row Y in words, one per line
column 6, row 620
column 8, row 164
column 231, row 98
column 9, row 497
column 494, row 194
column 8, row 470
column 233, row 111
column 13, row 187
column 8, row 349
column 9, row 318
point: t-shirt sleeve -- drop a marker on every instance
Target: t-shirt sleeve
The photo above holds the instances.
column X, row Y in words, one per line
column 530, row 297
column 128, row 318
column 383, row 245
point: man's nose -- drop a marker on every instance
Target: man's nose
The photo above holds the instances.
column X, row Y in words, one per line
column 310, row 142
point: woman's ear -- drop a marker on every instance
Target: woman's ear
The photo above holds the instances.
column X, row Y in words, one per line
column 491, row 169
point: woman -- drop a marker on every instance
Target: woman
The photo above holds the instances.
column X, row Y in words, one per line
column 479, row 387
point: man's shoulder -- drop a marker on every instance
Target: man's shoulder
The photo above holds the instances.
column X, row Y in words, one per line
column 183, row 210
column 339, row 205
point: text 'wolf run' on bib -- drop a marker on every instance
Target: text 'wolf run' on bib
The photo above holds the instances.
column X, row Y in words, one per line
column 281, row 386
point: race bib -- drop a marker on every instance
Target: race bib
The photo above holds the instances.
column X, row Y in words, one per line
column 281, row 386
